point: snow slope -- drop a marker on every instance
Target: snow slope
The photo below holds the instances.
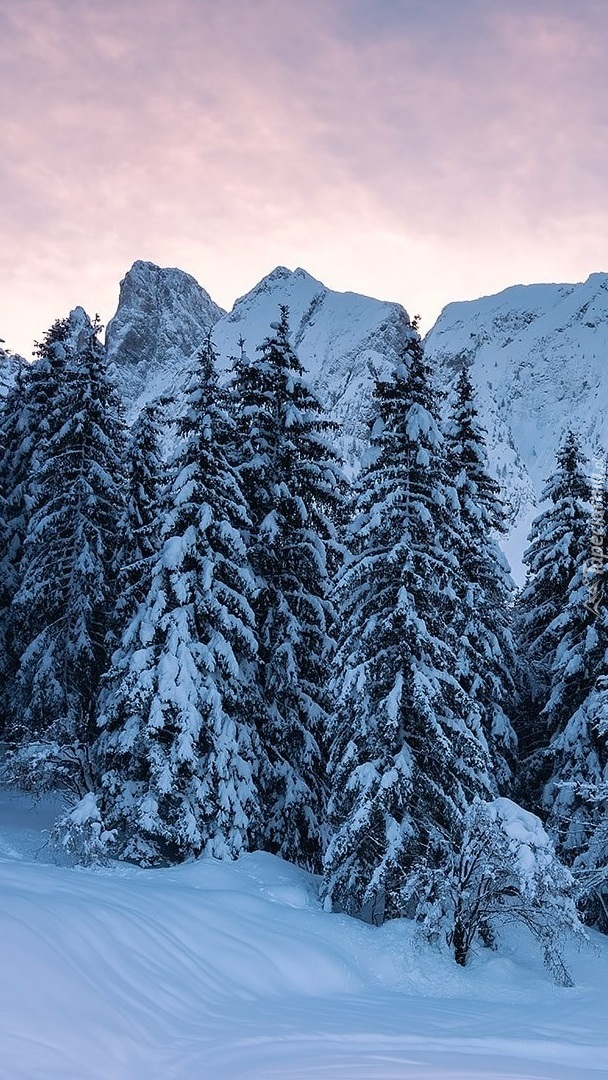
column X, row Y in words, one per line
column 217, row 971
column 538, row 359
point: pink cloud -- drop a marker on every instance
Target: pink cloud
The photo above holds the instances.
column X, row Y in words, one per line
column 428, row 153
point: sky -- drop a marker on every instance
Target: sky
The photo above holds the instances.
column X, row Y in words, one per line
column 422, row 151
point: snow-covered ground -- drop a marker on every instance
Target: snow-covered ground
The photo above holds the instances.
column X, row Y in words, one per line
column 215, row 971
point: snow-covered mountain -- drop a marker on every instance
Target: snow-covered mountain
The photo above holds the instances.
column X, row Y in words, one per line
column 537, row 354
column 339, row 337
column 9, row 366
column 163, row 315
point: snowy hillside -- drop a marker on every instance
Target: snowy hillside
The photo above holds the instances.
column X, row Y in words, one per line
column 231, row 971
column 538, row 358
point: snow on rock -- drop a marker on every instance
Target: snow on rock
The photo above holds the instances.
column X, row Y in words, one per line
column 538, row 359
column 537, row 354
column 9, row 366
column 232, row 971
column 163, row 316
column 338, row 336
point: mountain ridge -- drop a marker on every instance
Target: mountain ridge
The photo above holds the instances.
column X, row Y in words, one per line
column 536, row 353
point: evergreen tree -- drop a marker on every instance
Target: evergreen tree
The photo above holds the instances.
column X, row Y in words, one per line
column 408, row 751
column 140, row 525
column 575, row 759
column 558, row 546
column 566, row 775
column 178, row 754
column 10, row 363
column 67, row 588
column 586, row 835
column 577, row 764
column 293, row 483
column 485, row 647
column 28, row 417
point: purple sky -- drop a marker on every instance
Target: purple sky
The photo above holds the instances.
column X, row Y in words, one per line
column 416, row 150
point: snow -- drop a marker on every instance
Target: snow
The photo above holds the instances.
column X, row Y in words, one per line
column 536, row 353
column 537, row 359
column 527, row 839
column 519, row 824
column 232, row 971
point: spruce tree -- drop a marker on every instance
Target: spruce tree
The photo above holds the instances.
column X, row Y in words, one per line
column 293, row 483
column 67, row 587
column 585, row 839
column 575, row 760
column 408, row 752
column 558, row 545
column 140, row 526
column 10, row 364
column 485, row 648
column 28, row 418
column 178, row 754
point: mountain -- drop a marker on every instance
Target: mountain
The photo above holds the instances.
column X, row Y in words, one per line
column 163, row 315
column 339, row 338
column 536, row 354
column 9, row 366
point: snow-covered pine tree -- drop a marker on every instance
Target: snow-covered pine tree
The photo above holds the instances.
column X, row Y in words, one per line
column 558, row 545
column 67, row 587
column 485, row 647
column 178, row 754
column 10, row 363
column 293, row 483
column 587, row 833
column 575, row 795
column 28, row 417
column 408, row 751
column 140, row 525
column 574, row 762
column 12, row 526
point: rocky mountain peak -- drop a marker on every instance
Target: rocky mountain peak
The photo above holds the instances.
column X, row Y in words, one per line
column 163, row 315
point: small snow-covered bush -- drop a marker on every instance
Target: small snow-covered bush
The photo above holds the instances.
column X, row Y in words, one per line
column 81, row 832
column 506, row 871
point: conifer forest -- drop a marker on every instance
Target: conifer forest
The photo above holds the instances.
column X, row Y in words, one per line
column 217, row 639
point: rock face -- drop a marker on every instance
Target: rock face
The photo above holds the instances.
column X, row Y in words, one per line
column 163, row 316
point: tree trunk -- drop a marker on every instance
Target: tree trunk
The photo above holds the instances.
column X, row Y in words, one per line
column 461, row 943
